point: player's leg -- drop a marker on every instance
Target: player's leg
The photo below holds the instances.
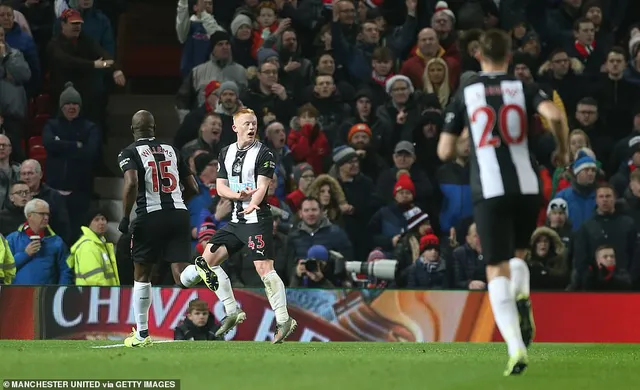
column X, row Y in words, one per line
column 221, row 245
column 141, row 301
column 493, row 222
column 277, row 296
column 143, row 253
column 520, row 278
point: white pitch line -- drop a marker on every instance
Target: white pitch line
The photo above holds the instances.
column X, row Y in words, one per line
column 122, row 345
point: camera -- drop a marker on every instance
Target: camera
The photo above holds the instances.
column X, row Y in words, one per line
column 380, row 269
column 310, row 265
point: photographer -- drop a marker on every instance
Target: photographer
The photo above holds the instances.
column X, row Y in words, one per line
column 309, row 270
column 199, row 324
column 315, row 229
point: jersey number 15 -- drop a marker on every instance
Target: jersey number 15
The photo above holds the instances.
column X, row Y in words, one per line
column 160, row 176
column 509, row 135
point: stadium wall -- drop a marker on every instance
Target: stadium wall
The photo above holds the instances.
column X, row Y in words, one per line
column 81, row 313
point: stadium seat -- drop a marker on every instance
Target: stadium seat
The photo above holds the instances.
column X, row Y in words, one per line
column 35, row 140
column 37, row 124
column 37, row 152
column 43, row 104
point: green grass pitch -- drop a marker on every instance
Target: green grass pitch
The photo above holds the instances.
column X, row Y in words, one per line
column 328, row 366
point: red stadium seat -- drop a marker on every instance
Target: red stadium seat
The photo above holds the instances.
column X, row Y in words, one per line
column 37, row 124
column 43, row 104
column 37, row 152
column 35, row 141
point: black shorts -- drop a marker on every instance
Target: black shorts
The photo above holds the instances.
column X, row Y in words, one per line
column 504, row 224
column 257, row 238
column 161, row 235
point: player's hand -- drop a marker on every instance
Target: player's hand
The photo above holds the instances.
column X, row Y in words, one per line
column 250, row 209
column 477, row 285
column 124, row 225
column 560, row 158
column 246, row 194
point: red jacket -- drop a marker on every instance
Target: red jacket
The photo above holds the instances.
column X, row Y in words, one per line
column 309, row 145
column 414, row 67
column 547, row 186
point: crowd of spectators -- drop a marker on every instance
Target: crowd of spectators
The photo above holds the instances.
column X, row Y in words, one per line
column 350, row 95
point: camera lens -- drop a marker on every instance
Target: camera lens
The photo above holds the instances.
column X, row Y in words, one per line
column 311, row 265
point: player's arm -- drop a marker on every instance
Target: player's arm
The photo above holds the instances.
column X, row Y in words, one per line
column 222, row 182
column 453, row 127
column 128, row 166
column 188, row 180
column 548, row 110
column 265, row 168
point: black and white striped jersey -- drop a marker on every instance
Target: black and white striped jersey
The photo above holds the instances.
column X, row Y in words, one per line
column 497, row 109
column 241, row 167
column 160, row 171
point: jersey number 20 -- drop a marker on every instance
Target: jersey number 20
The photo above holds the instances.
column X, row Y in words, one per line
column 160, row 176
column 502, row 120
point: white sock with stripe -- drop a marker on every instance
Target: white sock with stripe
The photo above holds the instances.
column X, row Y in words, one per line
column 520, row 278
column 141, row 300
column 224, row 291
column 277, row 296
column 190, row 277
column 503, row 304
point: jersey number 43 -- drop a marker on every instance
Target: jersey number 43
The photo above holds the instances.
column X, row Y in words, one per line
column 511, row 121
column 161, row 176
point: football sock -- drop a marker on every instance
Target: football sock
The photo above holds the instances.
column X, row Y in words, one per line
column 141, row 298
column 189, row 276
column 505, row 313
column 519, row 277
column 224, row 291
column 276, row 294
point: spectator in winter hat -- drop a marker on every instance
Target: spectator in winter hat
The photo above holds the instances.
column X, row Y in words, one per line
column 388, row 223
column 189, row 128
column 73, row 149
column 310, row 271
column 429, row 271
column 371, row 163
column 404, row 157
column 580, row 197
column 558, row 220
column 268, row 55
column 359, row 192
column 92, row 257
column 220, row 67
column 444, row 22
column 303, row 176
column 242, row 40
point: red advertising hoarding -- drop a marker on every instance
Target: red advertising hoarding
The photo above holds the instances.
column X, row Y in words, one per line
column 323, row 315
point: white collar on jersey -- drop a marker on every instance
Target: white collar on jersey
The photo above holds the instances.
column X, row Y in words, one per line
column 246, row 147
column 146, row 139
column 494, row 73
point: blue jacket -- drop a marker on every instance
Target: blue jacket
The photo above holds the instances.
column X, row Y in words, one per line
column 19, row 40
column 581, row 206
column 197, row 48
column 385, row 224
column 197, row 204
column 48, row 266
column 97, row 26
column 69, row 167
column 456, row 191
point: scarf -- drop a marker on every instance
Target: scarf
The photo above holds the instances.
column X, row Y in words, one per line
column 381, row 80
column 585, row 51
